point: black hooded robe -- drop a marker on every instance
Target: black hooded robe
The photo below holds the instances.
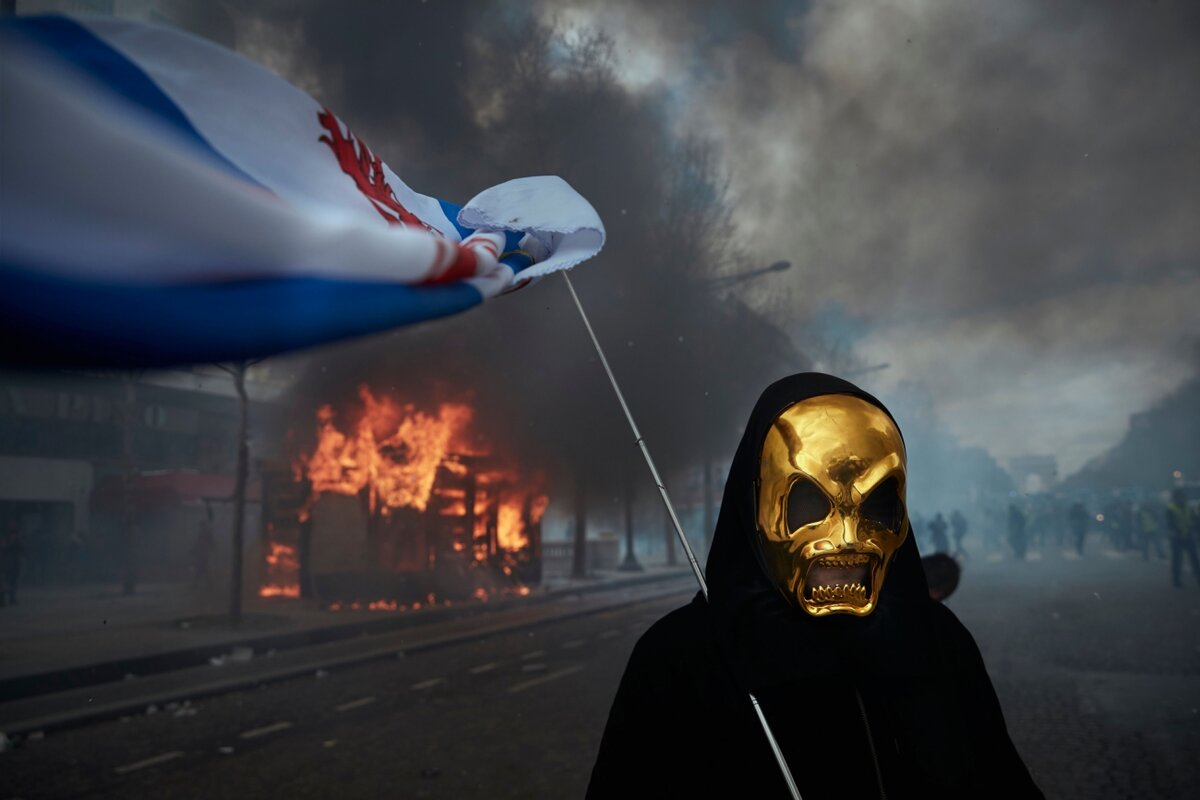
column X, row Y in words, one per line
column 897, row 704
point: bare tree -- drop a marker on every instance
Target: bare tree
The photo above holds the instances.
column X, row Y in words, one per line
column 130, row 534
column 237, row 371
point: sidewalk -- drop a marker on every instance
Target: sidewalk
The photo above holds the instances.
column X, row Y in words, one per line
column 67, row 638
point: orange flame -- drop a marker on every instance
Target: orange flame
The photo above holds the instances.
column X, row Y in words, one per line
column 283, row 572
column 510, row 527
column 398, row 457
column 394, row 452
column 537, row 509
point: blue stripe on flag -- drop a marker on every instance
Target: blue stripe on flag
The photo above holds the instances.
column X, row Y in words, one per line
column 55, row 321
column 451, row 211
column 81, row 48
column 515, row 262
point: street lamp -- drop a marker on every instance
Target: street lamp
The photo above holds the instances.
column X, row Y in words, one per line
column 725, row 281
column 864, row 370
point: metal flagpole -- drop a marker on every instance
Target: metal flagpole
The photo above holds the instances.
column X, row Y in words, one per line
column 687, row 548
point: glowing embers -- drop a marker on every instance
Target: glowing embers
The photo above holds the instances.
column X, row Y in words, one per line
column 843, row 579
column 385, row 604
column 431, row 601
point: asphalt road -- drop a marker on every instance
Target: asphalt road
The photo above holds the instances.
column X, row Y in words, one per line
column 1096, row 662
column 1097, row 666
column 517, row 715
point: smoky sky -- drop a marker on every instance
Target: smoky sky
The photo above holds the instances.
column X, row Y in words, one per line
column 996, row 200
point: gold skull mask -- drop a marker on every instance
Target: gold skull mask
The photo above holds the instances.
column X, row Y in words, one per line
column 831, row 510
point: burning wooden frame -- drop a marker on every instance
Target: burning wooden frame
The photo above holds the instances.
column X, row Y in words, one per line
column 402, row 510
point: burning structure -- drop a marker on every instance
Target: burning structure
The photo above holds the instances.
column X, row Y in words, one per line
column 395, row 506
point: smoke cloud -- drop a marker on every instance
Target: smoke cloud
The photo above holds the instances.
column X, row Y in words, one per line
column 997, row 201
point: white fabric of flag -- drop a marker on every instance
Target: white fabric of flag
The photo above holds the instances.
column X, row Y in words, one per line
column 165, row 200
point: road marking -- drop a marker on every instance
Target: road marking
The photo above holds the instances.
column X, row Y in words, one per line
column 482, row 668
column 571, row 645
column 254, row 733
column 359, row 703
column 552, row 676
column 533, row 654
column 148, row 762
column 609, row 634
column 429, row 684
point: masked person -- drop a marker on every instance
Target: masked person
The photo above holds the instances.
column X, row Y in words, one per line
column 817, row 604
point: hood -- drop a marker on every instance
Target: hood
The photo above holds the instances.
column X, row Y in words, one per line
column 764, row 637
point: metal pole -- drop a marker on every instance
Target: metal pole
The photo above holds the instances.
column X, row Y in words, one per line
column 687, row 548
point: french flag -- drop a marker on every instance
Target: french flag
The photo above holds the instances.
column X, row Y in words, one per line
column 164, row 200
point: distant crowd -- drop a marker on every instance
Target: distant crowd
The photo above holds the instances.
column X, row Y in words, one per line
column 1144, row 525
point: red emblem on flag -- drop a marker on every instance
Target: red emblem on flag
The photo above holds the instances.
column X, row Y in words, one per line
column 357, row 161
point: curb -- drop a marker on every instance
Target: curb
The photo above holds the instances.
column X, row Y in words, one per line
column 301, row 663
column 60, row 680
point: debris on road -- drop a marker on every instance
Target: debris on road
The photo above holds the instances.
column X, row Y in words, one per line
column 238, row 655
column 185, row 709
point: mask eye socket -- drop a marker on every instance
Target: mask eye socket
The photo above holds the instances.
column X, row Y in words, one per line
column 806, row 504
column 883, row 505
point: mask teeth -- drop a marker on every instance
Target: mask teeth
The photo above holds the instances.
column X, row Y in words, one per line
column 856, row 560
column 842, row 592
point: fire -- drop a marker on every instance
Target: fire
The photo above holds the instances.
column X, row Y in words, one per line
column 514, row 512
column 283, row 571
column 537, row 509
column 432, row 495
column 374, row 605
column 393, row 453
column 431, row 601
column 510, row 531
